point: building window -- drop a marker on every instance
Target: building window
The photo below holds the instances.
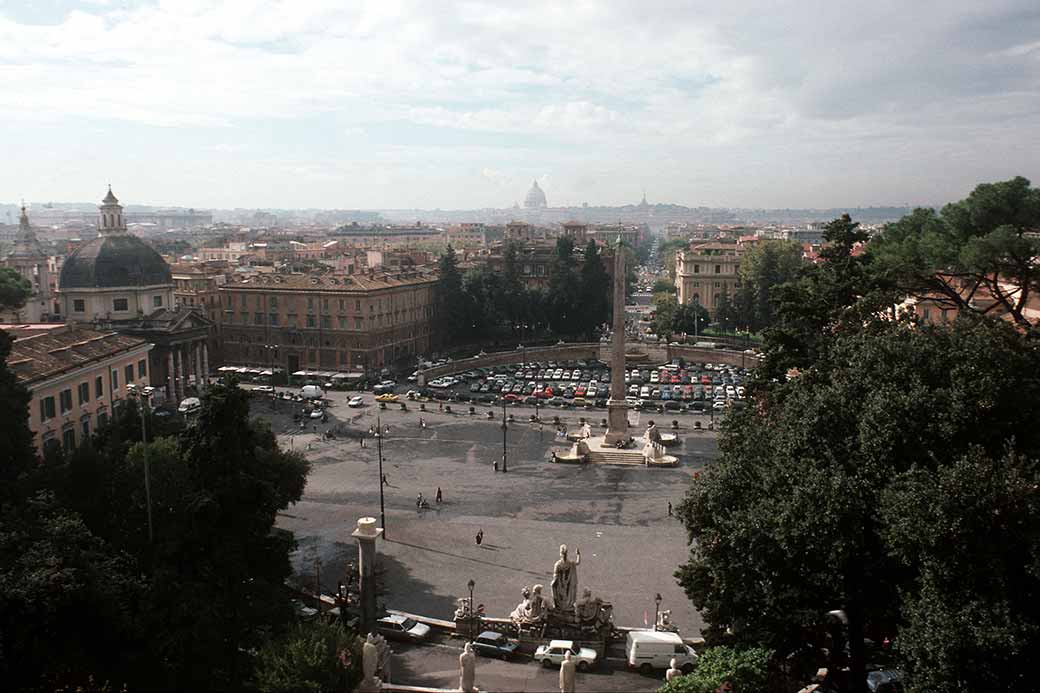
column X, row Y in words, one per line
column 66, row 400
column 115, row 379
column 99, row 387
column 927, row 313
column 120, row 305
column 342, row 304
column 157, row 301
column 84, row 393
column 357, row 323
column 273, row 318
column 326, row 321
column 310, row 321
column 68, row 438
column 258, row 304
column 272, row 302
column 696, row 269
column 310, row 303
column 357, row 306
column 342, row 323
column 79, row 305
column 85, row 427
column 142, row 368
column 718, row 269
column 102, row 419
column 718, row 284
column 258, row 318
column 129, row 372
column 244, row 300
column 325, row 305
column 47, row 408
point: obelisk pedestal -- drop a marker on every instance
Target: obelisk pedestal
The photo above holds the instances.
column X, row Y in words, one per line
column 617, row 409
column 366, row 535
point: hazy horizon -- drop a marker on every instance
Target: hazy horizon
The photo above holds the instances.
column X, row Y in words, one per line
column 398, row 105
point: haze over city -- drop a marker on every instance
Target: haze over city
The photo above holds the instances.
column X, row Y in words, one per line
column 462, row 105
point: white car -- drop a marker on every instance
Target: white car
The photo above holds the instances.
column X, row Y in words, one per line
column 400, row 627
column 317, row 413
column 551, row 655
column 356, row 401
column 189, row 405
column 263, row 388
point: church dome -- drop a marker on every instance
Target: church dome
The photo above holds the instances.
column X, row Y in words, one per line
column 114, row 260
column 535, row 197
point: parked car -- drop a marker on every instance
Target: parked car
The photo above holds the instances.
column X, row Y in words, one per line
column 399, row 627
column 492, row 644
column 263, row 388
column 317, row 413
column 311, row 392
column 356, row 401
column 189, row 405
column 551, row 655
column 647, row 650
column 387, row 397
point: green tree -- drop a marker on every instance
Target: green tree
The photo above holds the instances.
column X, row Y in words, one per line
column 835, row 296
column 764, row 267
column 14, row 289
column 454, row 308
column 563, row 289
column 665, row 307
column 969, row 530
column 690, row 318
column 745, row 669
column 594, row 303
column 512, row 293
column 977, row 255
column 789, row 524
column 663, row 286
column 314, row 656
column 726, row 314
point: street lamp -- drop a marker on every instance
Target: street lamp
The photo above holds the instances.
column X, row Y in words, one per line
column 147, row 478
column 379, row 454
column 472, row 609
column 505, row 468
column 657, row 608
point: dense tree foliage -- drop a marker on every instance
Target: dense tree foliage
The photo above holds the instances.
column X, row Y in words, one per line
column 83, row 591
column 484, row 301
column 14, row 289
column 763, row 268
column 745, row 669
column 314, row 656
column 671, row 318
column 825, row 498
column 977, row 255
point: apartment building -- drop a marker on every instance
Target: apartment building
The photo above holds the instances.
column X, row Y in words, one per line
column 76, row 376
column 327, row 322
column 704, row 270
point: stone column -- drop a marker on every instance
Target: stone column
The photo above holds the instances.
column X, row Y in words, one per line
column 171, row 375
column 617, row 410
column 179, row 379
column 205, row 365
column 366, row 534
column 198, row 368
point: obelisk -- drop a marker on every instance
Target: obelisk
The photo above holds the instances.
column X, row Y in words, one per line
column 617, row 409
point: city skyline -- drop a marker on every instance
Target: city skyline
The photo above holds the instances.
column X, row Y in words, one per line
column 402, row 105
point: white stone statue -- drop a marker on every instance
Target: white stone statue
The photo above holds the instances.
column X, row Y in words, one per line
column 673, row 670
column 369, row 664
column 467, row 669
column 567, row 674
column 565, row 580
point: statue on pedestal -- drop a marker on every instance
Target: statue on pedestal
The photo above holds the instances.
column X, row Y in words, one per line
column 370, row 664
column 565, row 580
column 591, row 613
column 532, row 609
column 673, row 670
column 467, row 669
column 567, row 674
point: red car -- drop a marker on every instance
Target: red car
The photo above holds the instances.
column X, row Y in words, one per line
column 511, row 398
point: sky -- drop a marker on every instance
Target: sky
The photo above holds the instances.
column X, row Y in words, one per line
column 460, row 105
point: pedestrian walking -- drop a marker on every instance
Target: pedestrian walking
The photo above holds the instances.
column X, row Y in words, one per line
column 480, row 536
column 418, row 501
column 440, row 496
column 387, row 430
column 494, row 465
column 669, row 508
column 362, row 440
column 386, row 482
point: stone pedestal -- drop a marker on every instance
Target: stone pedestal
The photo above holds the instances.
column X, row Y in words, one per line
column 366, row 534
column 617, row 421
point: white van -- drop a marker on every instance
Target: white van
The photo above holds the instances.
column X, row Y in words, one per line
column 311, row 392
column 647, row 650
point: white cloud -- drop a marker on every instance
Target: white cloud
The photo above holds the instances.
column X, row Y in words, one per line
column 607, row 87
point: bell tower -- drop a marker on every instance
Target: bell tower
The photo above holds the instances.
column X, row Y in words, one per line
column 110, row 215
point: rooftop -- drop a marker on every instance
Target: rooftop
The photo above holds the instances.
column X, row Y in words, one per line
column 46, row 353
column 333, row 282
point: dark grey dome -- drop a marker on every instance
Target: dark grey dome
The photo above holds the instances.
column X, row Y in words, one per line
column 114, row 260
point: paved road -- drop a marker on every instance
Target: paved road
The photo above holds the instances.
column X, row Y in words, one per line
column 438, row 666
column 616, row 516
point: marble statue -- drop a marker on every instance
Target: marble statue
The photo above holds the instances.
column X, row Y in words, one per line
column 370, row 664
column 565, row 580
column 467, row 669
column 532, row 608
column 587, row 609
column 567, row 674
column 673, row 670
